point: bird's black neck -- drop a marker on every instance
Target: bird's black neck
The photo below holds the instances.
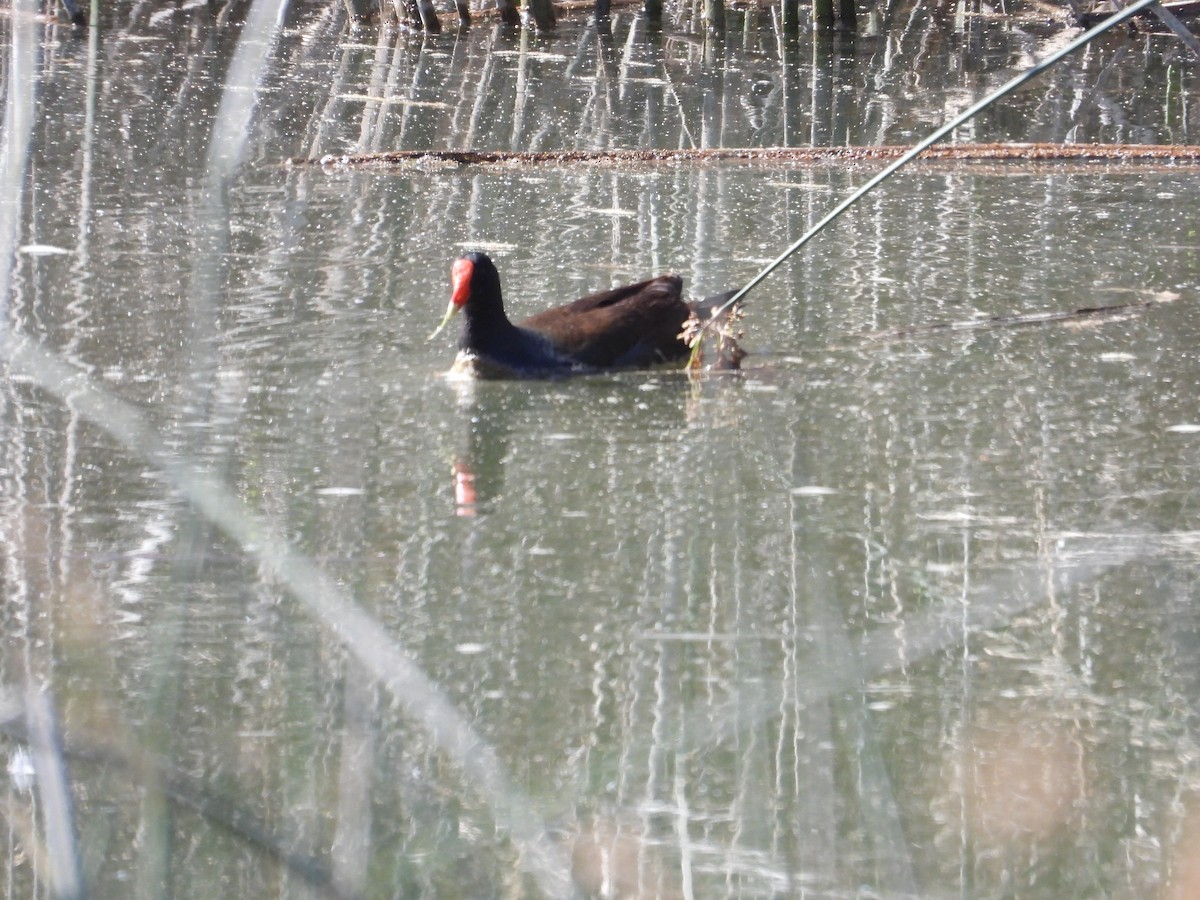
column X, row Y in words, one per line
column 485, row 326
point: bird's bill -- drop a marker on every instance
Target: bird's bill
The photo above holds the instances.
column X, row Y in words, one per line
column 450, row 311
column 460, row 284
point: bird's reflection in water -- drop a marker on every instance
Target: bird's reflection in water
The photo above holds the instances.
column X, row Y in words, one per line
column 478, row 469
column 466, row 501
column 490, row 409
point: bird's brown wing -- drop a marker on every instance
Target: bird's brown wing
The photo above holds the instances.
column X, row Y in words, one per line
column 634, row 325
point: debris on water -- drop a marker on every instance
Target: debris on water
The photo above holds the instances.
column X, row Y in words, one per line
column 43, row 250
column 20, row 770
column 1042, row 152
column 716, row 336
column 488, row 246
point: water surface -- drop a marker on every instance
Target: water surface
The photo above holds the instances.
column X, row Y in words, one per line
column 903, row 610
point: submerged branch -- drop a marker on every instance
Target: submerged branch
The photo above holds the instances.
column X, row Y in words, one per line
column 401, row 159
column 1015, row 320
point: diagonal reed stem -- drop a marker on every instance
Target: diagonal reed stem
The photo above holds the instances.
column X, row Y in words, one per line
column 962, row 118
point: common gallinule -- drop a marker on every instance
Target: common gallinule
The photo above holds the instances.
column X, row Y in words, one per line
column 634, row 326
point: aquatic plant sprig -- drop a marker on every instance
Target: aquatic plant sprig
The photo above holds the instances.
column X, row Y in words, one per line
column 962, row 118
column 724, row 327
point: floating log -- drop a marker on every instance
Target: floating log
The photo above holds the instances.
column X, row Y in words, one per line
column 1173, row 153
